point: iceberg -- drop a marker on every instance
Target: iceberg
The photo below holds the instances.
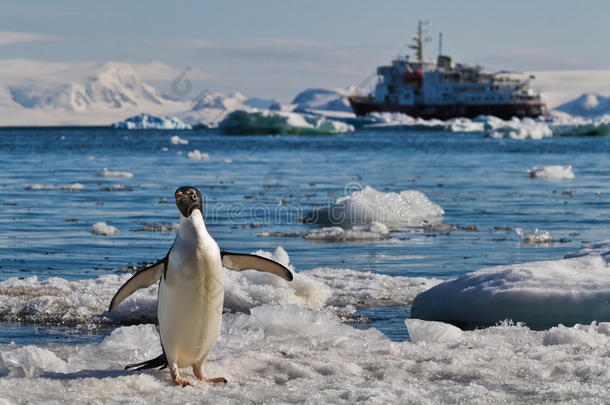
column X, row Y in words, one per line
column 525, row 128
column 147, row 121
column 278, row 122
column 366, row 206
column 572, row 290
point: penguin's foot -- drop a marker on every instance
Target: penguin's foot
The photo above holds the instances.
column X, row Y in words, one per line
column 181, row 381
column 176, row 376
column 198, row 371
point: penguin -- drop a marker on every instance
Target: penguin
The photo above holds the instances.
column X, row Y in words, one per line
column 191, row 291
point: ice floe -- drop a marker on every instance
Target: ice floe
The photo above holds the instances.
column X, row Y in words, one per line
column 66, row 187
column 102, row 228
column 114, row 175
column 535, row 237
column 432, row 331
column 407, row 208
column 160, row 227
column 553, row 172
column 541, row 294
column 372, row 231
column 524, row 128
column 176, row 140
column 278, row 122
column 85, row 302
column 197, row 155
column 147, row 121
column 290, row 354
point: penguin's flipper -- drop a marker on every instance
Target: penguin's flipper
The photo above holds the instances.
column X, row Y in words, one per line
column 242, row 261
column 142, row 279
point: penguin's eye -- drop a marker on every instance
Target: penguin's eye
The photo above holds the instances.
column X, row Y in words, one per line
column 194, row 197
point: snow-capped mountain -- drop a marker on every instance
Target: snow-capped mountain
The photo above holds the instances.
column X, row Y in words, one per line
column 322, row 99
column 112, row 86
column 589, row 105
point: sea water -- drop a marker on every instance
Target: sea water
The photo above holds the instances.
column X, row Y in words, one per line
column 56, row 184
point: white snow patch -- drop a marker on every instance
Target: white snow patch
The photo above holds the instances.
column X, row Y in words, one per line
column 114, row 175
column 553, row 172
column 407, row 208
column 102, row 228
column 525, row 128
column 196, row 155
column 541, row 294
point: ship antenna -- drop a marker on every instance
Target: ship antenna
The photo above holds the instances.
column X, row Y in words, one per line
column 419, row 41
column 440, row 43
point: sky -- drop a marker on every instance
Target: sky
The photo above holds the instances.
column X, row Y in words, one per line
column 274, row 49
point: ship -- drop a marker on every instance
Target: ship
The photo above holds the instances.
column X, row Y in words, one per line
column 445, row 90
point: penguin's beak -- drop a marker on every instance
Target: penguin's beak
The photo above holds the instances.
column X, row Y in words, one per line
column 180, row 195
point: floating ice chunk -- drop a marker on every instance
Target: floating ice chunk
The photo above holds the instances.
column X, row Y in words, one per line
column 278, row 122
column 541, row 294
column 102, row 228
column 147, row 121
column 30, row 361
column 431, row 331
column 176, row 140
column 372, row 231
column 537, row 236
column 409, row 207
column 68, row 187
column 553, row 172
column 114, row 175
column 525, row 128
column 196, row 155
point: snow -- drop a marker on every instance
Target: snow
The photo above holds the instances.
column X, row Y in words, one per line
column 114, row 175
column 553, row 172
column 407, row 208
column 288, row 344
column 102, row 228
column 279, row 122
column 287, row 354
column 196, row 155
column 572, row 290
column 176, row 140
column 66, row 187
column 147, row 121
column 372, row 231
column 590, row 105
column 323, row 99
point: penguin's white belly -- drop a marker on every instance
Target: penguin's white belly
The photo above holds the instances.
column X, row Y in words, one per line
column 190, row 305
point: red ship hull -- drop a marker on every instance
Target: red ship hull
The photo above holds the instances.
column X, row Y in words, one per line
column 444, row 112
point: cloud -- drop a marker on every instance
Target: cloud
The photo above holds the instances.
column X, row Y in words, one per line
column 14, row 37
column 260, row 48
column 538, row 59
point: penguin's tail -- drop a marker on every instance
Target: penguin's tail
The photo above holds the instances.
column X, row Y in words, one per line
column 158, row 362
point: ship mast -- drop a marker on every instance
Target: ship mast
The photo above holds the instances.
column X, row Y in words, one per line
column 419, row 40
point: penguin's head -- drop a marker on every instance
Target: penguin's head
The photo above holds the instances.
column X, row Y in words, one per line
column 188, row 199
